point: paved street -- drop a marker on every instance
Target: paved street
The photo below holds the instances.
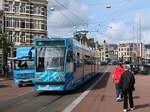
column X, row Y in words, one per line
column 99, row 99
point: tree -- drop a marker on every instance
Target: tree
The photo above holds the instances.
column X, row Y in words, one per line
column 5, row 45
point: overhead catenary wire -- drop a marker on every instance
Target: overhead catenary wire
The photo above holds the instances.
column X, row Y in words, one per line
column 67, row 16
column 71, row 12
column 78, row 17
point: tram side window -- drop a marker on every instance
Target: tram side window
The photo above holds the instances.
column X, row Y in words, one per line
column 69, row 56
column 69, row 65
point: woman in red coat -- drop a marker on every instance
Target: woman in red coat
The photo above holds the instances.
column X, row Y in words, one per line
column 116, row 74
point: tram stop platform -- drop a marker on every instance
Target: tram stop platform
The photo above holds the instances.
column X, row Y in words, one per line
column 102, row 97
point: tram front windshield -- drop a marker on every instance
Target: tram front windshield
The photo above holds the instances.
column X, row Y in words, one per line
column 50, row 59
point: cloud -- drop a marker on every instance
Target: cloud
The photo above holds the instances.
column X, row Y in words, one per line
column 70, row 13
column 146, row 36
column 119, row 31
column 66, row 15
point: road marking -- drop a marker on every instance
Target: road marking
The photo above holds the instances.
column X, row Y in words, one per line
column 83, row 95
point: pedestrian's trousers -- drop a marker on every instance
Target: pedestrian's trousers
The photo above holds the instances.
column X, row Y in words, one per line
column 128, row 96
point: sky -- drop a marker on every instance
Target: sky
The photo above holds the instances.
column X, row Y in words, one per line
column 126, row 20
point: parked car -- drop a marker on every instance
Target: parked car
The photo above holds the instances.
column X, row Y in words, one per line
column 114, row 62
column 104, row 63
column 135, row 68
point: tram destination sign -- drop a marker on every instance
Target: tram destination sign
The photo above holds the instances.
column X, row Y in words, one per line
column 50, row 43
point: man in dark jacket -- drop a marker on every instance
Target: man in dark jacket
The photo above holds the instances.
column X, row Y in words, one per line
column 127, row 82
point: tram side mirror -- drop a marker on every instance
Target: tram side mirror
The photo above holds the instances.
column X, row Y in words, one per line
column 30, row 54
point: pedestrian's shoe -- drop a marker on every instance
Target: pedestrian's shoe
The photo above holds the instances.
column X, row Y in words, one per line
column 125, row 110
column 133, row 108
column 118, row 99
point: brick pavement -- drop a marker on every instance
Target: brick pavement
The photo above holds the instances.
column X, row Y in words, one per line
column 101, row 98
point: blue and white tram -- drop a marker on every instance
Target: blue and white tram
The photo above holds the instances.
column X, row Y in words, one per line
column 62, row 64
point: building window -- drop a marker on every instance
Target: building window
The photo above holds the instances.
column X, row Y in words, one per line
column 10, row 33
column 23, row 37
column 28, row 35
column 22, row 23
column 37, row 24
column 16, row 23
column 36, row 10
column 43, row 26
column 17, row 37
column 17, row 7
column 27, row 23
column 8, row 22
column 43, row 10
column 23, row 8
column 9, row 6
column 28, row 8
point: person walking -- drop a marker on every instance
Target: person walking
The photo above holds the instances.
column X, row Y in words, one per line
column 127, row 82
column 116, row 75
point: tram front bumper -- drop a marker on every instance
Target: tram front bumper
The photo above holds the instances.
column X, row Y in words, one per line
column 49, row 86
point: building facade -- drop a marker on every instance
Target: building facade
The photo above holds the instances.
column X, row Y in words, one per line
column 97, row 51
column 130, row 51
column 112, row 51
column 147, row 52
column 24, row 20
column 104, row 53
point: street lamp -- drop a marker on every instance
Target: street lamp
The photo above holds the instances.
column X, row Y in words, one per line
column 108, row 6
column 52, row 9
